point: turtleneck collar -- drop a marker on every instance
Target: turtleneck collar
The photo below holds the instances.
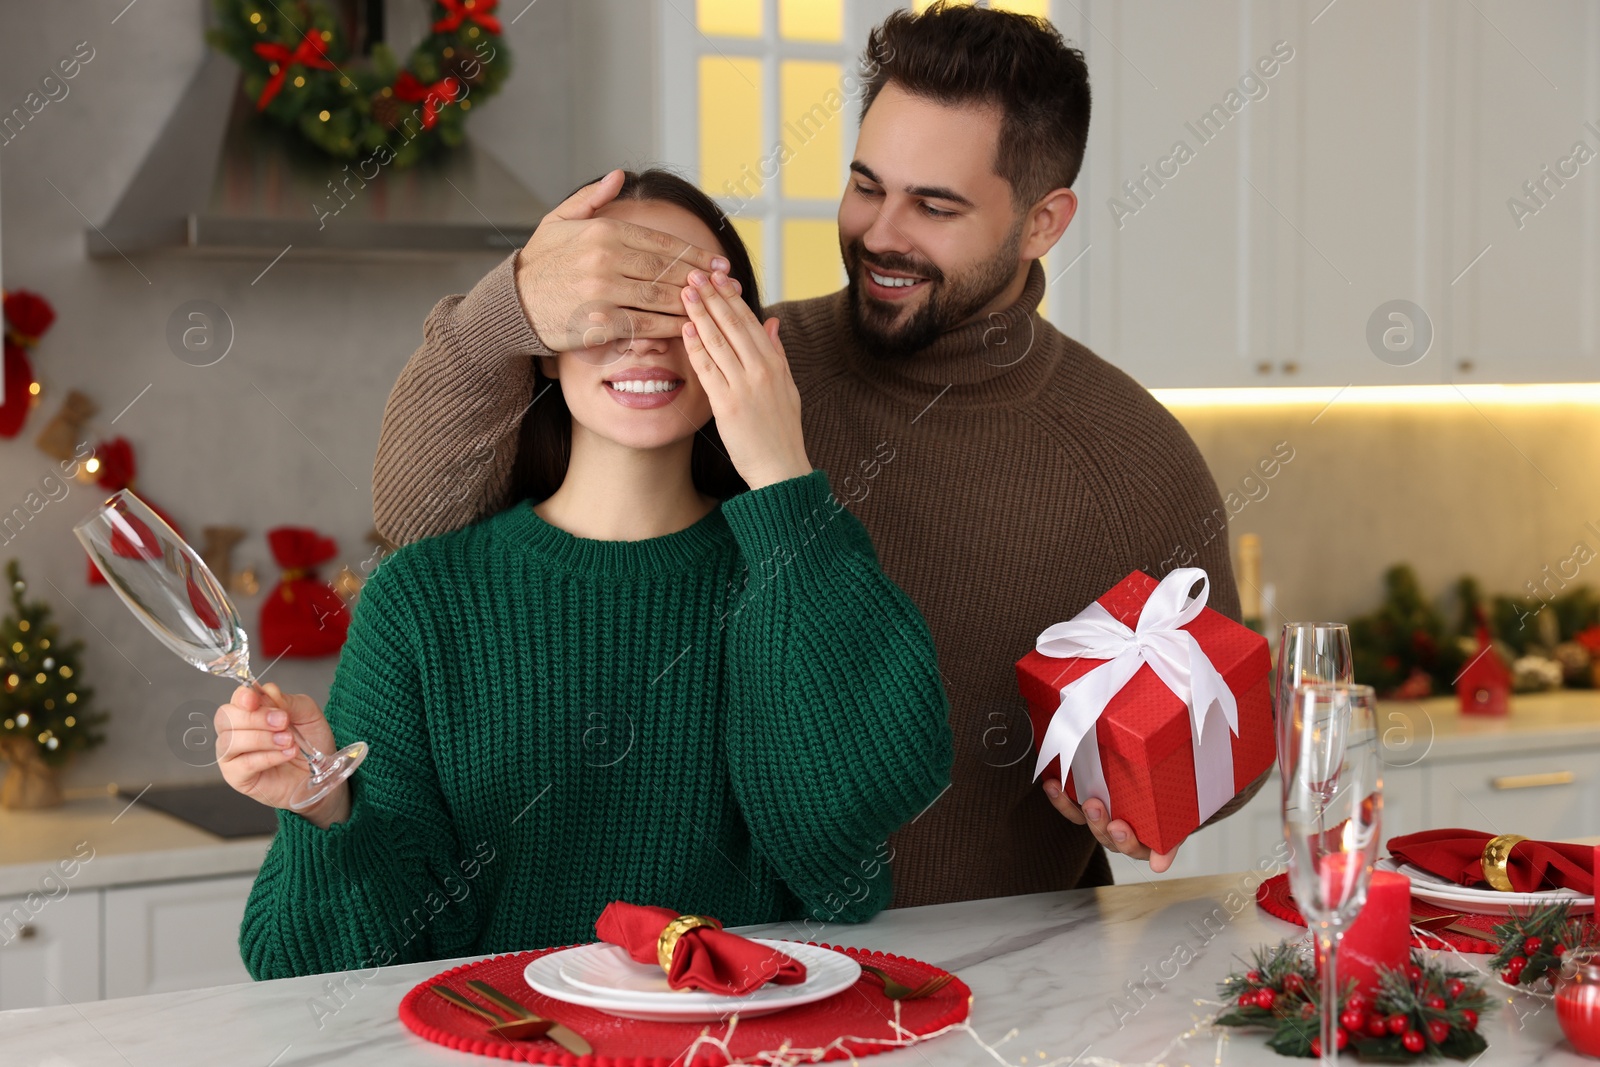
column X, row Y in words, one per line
column 994, row 359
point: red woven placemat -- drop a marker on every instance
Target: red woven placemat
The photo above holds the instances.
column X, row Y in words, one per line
column 858, row 1021
column 1274, row 898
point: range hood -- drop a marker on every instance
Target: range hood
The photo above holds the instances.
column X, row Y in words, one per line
column 220, row 178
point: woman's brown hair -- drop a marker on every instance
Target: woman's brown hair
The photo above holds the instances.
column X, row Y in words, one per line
column 544, row 445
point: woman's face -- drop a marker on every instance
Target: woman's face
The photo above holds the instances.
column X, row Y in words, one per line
column 602, row 383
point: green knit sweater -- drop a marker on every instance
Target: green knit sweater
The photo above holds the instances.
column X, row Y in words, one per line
column 726, row 720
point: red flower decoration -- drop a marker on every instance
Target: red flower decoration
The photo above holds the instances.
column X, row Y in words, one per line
column 18, row 374
column 28, row 315
column 117, row 468
column 1589, row 639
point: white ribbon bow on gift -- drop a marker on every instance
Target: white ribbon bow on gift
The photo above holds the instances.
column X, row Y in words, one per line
column 1176, row 658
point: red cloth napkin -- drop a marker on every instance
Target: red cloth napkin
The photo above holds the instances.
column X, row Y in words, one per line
column 707, row 957
column 1533, row 865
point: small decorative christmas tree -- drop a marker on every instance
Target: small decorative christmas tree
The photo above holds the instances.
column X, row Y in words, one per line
column 45, row 712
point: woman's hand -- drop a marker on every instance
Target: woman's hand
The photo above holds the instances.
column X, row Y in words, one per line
column 743, row 369
column 258, row 755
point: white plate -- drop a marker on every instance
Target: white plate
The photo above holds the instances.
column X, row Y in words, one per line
column 1448, row 894
column 603, row 977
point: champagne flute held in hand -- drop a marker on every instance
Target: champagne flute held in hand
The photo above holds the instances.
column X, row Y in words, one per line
column 169, row 588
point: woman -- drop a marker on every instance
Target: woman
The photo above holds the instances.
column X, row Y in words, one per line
column 674, row 674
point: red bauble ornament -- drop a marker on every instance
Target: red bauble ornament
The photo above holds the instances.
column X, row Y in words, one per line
column 1352, row 1020
column 1455, row 987
column 1414, row 973
column 1293, row 983
column 1398, row 1023
column 1377, row 1025
column 1531, row 945
column 1438, row 1029
column 1247, row 999
column 1252, row 976
column 1414, row 1041
column 1436, row 1002
column 1469, row 1017
column 1265, row 998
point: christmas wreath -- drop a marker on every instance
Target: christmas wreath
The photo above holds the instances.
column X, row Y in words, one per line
column 1423, row 1012
column 298, row 68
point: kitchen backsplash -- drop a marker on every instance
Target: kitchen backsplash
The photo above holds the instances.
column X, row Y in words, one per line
column 1505, row 493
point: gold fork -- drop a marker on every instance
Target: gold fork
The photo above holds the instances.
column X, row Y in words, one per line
column 510, row 1029
column 900, row 991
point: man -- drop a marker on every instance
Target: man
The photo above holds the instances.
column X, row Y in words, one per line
column 1008, row 476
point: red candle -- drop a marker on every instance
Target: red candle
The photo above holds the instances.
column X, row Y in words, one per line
column 1380, row 935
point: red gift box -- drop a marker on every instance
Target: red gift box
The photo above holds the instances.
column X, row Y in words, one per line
column 1144, row 738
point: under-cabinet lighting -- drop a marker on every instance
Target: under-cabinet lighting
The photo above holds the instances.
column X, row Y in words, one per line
column 1394, row 395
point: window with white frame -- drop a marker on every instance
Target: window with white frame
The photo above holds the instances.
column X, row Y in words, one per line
column 759, row 104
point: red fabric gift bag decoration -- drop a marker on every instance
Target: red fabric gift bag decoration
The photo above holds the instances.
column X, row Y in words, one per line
column 27, row 317
column 302, row 617
column 1159, row 706
column 117, row 470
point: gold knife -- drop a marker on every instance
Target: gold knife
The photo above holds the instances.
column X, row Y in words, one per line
column 564, row 1036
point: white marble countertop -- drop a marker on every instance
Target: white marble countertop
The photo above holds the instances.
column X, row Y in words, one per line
column 1047, row 973
column 105, row 840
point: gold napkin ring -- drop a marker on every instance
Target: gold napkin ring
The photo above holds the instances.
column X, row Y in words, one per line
column 1496, row 857
column 668, row 941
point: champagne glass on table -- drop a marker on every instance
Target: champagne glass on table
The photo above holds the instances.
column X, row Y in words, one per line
column 169, row 588
column 1308, row 652
column 1332, row 812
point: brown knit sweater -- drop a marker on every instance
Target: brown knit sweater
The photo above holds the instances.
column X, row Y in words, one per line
column 1007, row 475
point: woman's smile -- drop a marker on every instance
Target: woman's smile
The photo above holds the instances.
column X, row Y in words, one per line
column 652, row 389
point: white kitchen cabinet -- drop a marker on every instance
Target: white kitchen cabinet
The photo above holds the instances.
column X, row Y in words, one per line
column 1376, row 164
column 174, row 935
column 1174, row 239
column 49, row 949
column 1524, row 192
column 1556, row 793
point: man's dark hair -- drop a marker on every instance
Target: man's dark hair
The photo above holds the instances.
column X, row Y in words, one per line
column 544, row 443
column 958, row 54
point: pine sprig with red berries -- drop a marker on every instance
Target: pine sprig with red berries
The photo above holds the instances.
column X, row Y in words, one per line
column 1534, row 946
column 1425, row 1011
